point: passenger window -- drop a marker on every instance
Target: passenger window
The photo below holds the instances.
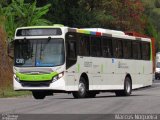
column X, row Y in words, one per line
column 145, row 50
column 136, row 50
column 84, row 45
column 96, row 46
column 117, row 48
column 127, row 49
column 107, row 47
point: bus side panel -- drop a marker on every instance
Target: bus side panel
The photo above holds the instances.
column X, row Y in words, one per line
column 147, row 71
column 112, row 81
column 70, row 78
column 96, row 72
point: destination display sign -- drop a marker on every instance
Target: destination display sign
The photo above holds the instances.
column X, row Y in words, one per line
column 39, row 32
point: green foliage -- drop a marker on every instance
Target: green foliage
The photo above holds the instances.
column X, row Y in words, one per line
column 157, row 3
column 151, row 31
column 152, row 12
column 113, row 14
column 4, row 2
column 19, row 13
column 9, row 92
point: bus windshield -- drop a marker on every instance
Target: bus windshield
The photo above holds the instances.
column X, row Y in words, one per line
column 39, row 53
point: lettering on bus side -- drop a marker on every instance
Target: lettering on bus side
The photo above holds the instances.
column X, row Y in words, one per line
column 122, row 65
column 87, row 64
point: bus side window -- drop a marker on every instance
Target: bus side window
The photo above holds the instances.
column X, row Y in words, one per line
column 117, row 48
column 107, row 47
column 71, row 49
column 145, row 50
column 136, row 50
column 127, row 49
column 120, row 49
column 114, row 44
column 83, row 45
column 96, row 46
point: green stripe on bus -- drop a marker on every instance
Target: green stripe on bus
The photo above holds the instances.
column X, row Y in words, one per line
column 83, row 31
column 41, row 77
column 78, row 68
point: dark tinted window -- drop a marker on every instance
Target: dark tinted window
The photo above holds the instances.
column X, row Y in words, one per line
column 127, row 49
column 83, row 45
column 136, row 50
column 95, row 46
column 71, row 49
column 145, row 50
column 117, row 48
column 107, row 47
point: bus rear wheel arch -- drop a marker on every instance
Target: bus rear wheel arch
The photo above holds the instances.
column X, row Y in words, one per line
column 127, row 91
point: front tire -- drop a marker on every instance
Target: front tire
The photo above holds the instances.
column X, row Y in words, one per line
column 127, row 88
column 82, row 89
column 38, row 94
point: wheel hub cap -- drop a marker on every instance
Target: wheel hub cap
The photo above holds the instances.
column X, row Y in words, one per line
column 81, row 88
column 128, row 87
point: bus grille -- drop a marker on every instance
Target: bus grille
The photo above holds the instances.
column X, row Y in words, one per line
column 35, row 84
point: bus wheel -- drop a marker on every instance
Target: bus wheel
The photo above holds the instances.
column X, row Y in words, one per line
column 127, row 88
column 38, row 94
column 82, row 89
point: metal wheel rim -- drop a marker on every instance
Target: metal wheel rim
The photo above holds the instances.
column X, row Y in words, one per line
column 81, row 88
column 128, row 87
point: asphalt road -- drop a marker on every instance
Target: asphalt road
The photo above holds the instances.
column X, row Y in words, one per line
column 142, row 101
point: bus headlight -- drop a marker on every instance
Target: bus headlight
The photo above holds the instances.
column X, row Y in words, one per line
column 60, row 75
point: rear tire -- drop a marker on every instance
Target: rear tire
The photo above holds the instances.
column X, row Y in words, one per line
column 127, row 88
column 82, row 89
column 38, row 94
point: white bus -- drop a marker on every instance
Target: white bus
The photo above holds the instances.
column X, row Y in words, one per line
column 84, row 62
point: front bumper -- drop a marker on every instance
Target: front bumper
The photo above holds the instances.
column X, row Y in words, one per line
column 57, row 85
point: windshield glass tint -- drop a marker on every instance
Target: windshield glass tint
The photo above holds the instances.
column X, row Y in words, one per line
column 48, row 52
